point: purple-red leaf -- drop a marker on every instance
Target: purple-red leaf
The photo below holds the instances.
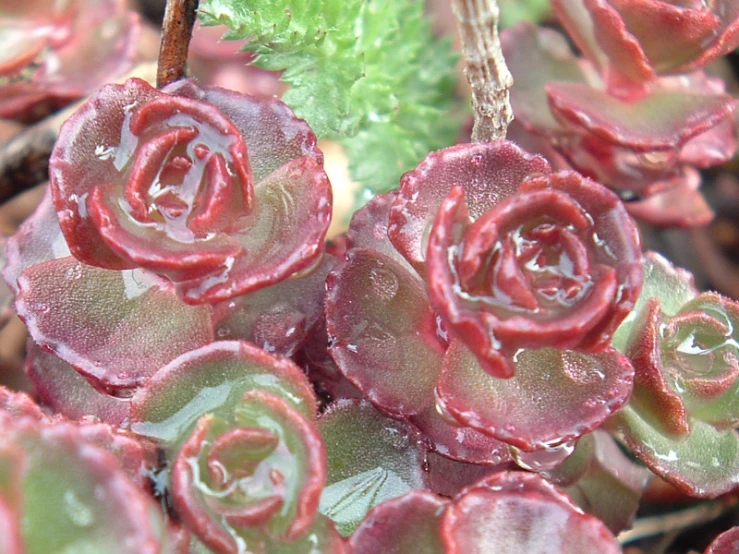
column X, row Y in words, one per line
column 585, row 388
column 116, row 327
column 537, row 519
column 383, row 332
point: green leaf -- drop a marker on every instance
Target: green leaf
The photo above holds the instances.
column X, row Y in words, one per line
column 368, row 72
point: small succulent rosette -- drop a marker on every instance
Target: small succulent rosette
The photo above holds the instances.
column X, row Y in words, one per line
column 487, row 289
column 681, row 421
column 635, row 112
column 247, row 464
column 176, row 217
column 56, row 52
column 73, row 486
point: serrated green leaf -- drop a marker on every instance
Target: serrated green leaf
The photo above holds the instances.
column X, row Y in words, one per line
column 368, row 72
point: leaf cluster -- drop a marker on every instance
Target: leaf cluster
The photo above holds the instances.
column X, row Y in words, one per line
column 368, row 72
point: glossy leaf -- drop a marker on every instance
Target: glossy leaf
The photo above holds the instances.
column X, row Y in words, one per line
column 536, row 517
column 213, row 377
column 257, row 468
column 383, row 331
column 487, row 172
column 95, row 505
column 556, row 264
column 405, row 525
column 115, row 327
column 371, row 459
column 585, row 388
column 60, row 387
column 277, row 318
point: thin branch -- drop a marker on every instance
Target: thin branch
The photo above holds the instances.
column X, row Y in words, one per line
column 690, row 517
column 179, row 18
column 24, row 159
column 485, row 67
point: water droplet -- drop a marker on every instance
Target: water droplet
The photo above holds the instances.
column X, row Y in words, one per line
column 80, row 514
column 385, row 283
column 73, row 273
column 223, row 332
column 477, row 159
column 352, row 348
column 44, row 308
column 543, row 460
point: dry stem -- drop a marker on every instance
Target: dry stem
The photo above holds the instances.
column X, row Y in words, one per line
column 485, row 67
column 179, row 18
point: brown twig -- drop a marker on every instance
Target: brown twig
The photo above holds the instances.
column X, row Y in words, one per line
column 690, row 517
column 179, row 18
column 485, row 67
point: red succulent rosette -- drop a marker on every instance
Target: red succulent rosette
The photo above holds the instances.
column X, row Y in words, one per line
column 642, row 139
column 556, row 264
column 429, row 352
column 221, row 193
column 56, row 52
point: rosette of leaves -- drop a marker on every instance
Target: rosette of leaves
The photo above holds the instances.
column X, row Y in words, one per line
column 246, row 465
column 56, row 52
column 634, row 112
column 681, row 421
column 174, row 211
column 506, row 513
column 72, row 487
column 483, row 265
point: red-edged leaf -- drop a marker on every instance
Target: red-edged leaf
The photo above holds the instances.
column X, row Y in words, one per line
column 537, row 519
column 259, row 469
column 402, row 525
column 383, row 332
column 141, row 327
column 371, row 459
column 213, row 377
column 283, row 234
column 60, row 387
column 586, row 388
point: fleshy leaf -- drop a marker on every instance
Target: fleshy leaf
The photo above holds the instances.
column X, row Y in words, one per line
column 383, row 331
column 726, row 543
column 65, row 391
column 703, row 464
column 212, row 377
column 452, row 440
column 277, row 318
column 283, row 234
column 38, row 239
column 369, row 227
column 586, row 388
column 371, row 459
column 612, row 484
column 61, row 52
column 673, row 286
column 448, row 477
column 536, row 517
column 405, row 525
column 537, row 56
column 115, row 327
column 487, row 172
column 662, row 120
column 170, row 187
